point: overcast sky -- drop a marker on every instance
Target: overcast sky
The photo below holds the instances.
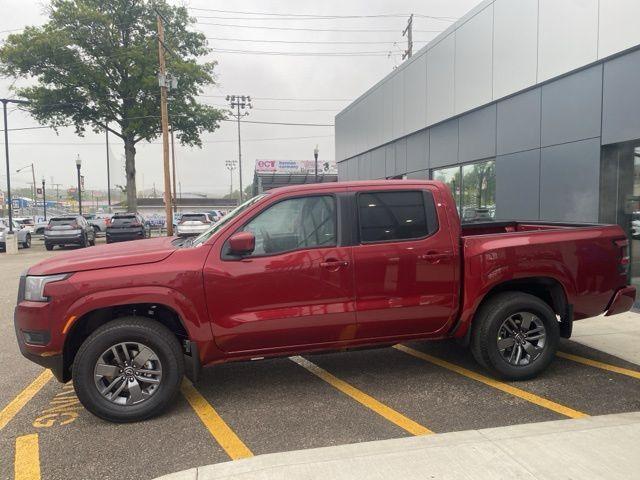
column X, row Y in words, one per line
column 263, row 77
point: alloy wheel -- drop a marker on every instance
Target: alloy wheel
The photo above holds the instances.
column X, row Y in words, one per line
column 521, row 339
column 128, row 373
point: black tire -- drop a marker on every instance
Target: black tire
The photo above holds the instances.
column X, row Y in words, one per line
column 48, row 246
column 487, row 323
column 27, row 241
column 130, row 329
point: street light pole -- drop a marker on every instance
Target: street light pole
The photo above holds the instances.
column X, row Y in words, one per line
column 78, row 166
column 315, row 155
column 6, row 153
column 239, row 102
column 44, row 200
column 231, row 166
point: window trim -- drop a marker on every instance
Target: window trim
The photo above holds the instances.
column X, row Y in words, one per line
column 423, row 191
column 225, row 255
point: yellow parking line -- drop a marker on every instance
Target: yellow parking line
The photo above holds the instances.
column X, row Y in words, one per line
column 27, row 458
column 511, row 390
column 359, row 396
column 601, row 365
column 218, row 428
column 12, row 409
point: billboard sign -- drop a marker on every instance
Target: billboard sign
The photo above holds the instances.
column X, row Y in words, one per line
column 295, row 166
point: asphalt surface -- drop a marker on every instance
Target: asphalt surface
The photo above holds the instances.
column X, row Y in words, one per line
column 278, row 405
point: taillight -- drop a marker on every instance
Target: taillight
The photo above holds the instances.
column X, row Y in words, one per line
column 107, row 222
column 136, row 224
column 623, row 260
column 48, row 227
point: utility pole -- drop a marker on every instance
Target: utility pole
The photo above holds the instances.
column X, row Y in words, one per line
column 108, row 171
column 239, row 102
column 44, row 200
column 6, row 154
column 173, row 174
column 164, row 114
column 231, row 166
column 408, row 31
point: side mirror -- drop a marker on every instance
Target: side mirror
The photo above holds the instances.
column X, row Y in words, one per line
column 242, row 243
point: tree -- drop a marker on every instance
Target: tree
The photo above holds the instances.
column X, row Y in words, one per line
column 95, row 64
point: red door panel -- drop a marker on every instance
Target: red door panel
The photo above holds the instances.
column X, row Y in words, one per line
column 406, row 287
column 297, row 298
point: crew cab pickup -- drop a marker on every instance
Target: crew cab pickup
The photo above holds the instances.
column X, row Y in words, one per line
column 315, row 268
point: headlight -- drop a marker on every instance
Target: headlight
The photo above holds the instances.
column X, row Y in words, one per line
column 34, row 286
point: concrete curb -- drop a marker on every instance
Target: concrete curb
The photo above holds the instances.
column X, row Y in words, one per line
column 595, row 447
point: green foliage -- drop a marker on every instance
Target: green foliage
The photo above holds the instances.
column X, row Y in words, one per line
column 95, row 66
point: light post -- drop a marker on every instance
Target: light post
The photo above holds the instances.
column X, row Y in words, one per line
column 33, row 177
column 78, row 166
column 231, row 166
column 6, row 155
column 315, row 155
column 44, row 200
column 239, row 102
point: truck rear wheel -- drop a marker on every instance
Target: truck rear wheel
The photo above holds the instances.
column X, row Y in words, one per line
column 128, row 370
column 515, row 335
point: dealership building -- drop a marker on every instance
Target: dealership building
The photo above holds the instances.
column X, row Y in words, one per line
column 528, row 109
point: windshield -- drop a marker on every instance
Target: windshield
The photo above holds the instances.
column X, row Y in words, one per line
column 203, row 237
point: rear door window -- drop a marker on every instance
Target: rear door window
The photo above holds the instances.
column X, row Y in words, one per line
column 124, row 221
column 58, row 222
column 395, row 215
column 193, row 217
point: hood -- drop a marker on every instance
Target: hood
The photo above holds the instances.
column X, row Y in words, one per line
column 113, row 255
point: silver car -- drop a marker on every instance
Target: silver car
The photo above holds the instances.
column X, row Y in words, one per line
column 191, row 224
column 24, row 235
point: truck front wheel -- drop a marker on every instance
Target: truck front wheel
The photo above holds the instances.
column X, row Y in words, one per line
column 515, row 335
column 128, row 370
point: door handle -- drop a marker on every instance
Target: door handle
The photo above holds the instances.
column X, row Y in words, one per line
column 434, row 257
column 334, row 264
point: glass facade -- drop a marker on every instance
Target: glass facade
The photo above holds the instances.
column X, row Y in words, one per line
column 474, row 188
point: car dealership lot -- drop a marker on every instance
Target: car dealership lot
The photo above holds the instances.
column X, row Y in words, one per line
column 242, row 409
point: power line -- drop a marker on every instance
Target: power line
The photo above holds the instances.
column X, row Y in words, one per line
column 270, row 139
column 285, row 123
column 291, row 99
column 348, row 42
column 378, row 53
column 306, row 16
column 302, row 29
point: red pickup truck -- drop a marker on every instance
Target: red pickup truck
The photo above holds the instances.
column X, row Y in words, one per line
column 314, row 268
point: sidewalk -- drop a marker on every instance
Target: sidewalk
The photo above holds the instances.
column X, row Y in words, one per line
column 563, row 449
column 604, row 447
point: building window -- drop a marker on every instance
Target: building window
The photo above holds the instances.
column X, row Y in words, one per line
column 385, row 216
column 473, row 187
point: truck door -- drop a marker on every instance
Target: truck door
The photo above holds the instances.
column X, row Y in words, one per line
column 297, row 286
column 405, row 263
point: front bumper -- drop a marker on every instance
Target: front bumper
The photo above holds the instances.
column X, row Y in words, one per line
column 622, row 301
column 51, row 360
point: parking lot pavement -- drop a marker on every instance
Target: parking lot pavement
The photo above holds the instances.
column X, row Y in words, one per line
column 238, row 410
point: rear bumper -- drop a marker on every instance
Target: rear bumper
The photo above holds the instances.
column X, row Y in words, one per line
column 622, row 301
column 63, row 240
column 124, row 236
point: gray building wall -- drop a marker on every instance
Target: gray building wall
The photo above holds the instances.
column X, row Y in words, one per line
column 546, row 141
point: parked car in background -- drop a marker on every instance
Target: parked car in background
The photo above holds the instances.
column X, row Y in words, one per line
column 99, row 221
column 216, row 215
column 40, row 226
column 68, row 230
column 24, row 235
column 127, row 226
column 26, row 223
column 311, row 268
column 191, row 224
